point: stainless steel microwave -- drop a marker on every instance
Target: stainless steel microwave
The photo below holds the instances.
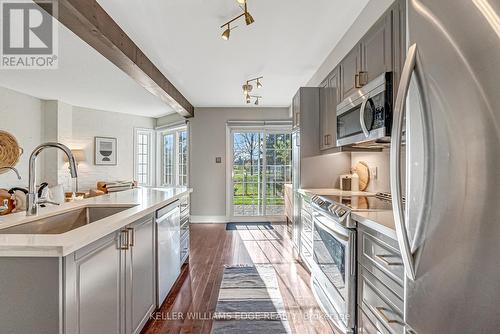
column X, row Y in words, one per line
column 364, row 119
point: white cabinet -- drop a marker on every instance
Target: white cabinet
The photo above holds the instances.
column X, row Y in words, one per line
column 141, row 274
column 110, row 284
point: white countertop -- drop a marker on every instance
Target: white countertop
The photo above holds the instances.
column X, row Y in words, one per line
column 146, row 200
column 333, row 192
column 380, row 221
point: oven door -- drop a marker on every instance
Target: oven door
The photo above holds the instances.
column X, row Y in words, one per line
column 334, row 267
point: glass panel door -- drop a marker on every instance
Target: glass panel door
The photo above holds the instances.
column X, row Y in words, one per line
column 278, row 171
column 261, row 167
column 247, row 174
column 168, row 159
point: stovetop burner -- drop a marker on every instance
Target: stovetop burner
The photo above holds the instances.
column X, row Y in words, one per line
column 360, row 203
column 340, row 207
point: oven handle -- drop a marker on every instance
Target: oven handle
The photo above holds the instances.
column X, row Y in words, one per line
column 337, row 235
column 362, row 117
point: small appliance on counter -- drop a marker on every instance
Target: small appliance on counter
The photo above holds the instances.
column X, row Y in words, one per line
column 358, row 180
column 345, row 182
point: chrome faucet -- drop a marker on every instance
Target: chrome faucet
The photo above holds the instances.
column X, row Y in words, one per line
column 12, row 169
column 32, row 196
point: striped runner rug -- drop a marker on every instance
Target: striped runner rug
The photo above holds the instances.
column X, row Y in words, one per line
column 250, row 302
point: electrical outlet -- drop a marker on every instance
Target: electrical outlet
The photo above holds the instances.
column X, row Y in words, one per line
column 218, row 160
column 373, row 172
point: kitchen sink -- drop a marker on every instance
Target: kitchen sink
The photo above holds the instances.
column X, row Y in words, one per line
column 66, row 221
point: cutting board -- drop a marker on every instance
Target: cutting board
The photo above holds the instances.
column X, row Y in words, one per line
column 363, row 172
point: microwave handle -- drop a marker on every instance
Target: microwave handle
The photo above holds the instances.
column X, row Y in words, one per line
column 362, row 117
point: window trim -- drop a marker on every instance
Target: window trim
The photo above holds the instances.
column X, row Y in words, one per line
column 151, row 156
column 160, row 151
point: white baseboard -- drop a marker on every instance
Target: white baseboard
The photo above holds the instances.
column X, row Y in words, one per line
column 209, row 219
column 224, row 219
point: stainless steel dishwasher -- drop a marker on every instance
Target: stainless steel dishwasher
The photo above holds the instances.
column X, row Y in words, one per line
column 168, row 236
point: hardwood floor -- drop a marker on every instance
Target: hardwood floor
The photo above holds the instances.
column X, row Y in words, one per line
column 189, row 306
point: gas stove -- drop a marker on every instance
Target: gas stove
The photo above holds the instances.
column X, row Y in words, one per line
column 340, row 207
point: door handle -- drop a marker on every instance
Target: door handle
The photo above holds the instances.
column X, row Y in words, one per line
column 123, row 240
column 362, row 117
column 412, row 64
column 131, row 237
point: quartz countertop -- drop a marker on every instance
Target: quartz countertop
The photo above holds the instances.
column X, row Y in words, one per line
column 380, row 221
column 333, row 192
column 145, row 201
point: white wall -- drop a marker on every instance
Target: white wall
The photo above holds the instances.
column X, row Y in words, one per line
column 380, row 160
column 20, row 115
column 33, row 121
column 208, row 141
column 324, row 171
column 89, row 123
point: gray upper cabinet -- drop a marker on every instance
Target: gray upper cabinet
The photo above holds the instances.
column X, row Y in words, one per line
column 376, row 50
column 141, row 274
column 306, row 104
column 327, row 112
column 349, row 71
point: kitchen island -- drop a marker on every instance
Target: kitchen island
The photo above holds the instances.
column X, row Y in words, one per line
column 100, row 277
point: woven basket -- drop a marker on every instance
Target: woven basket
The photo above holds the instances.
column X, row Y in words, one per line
column 9, row 151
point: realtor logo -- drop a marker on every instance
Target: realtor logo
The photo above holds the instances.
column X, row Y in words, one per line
column 29, row 34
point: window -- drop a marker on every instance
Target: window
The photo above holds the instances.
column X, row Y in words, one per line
column 174, row 167
column 143, row 154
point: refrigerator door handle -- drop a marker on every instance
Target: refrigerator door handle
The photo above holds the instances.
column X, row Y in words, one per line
column 395, row 165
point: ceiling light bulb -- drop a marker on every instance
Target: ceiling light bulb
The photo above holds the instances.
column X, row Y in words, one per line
column 242, row 1
column 226, row 33
column 259, row 84
column 248, row 18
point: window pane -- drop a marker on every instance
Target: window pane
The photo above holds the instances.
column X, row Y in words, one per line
column 143, row 157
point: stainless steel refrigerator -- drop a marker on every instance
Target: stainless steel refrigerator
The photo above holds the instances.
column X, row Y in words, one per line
column 449, row 227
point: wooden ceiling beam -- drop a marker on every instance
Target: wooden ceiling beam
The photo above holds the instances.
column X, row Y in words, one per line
column 89, row 21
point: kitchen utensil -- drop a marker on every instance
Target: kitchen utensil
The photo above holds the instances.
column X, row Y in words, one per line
column 9, row 150
column 363, row 172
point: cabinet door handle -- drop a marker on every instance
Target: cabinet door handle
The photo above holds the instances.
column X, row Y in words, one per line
column 124, row 240
column 381, row 311
column 382, row 257
column 131, row 238
column 360, row 79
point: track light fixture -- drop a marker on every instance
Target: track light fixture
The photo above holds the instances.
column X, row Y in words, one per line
column 226, row 33
column 248, row 20
column 247, row 89
column 259, row 84
column 256, row 97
